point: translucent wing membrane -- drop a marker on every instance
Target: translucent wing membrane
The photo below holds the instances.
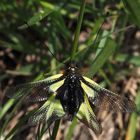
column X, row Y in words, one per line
column 38, row 116
column 104, row 99
column 113, row 102
column 36, row 91
column 33, row 93
column 48, row 113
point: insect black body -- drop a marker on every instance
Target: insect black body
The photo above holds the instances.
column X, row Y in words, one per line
column 71, row 94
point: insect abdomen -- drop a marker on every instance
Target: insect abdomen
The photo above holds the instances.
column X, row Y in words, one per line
column 70, row 95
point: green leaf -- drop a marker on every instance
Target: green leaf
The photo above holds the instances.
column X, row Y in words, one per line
column 91, row 42
column 25, row 70
column 71, row 129
column 133, row 8
column 60, row 24
column 128, row 59
column 6, row 107
column 103, row 53
column 55, row 129
column 37, row 17
column 78, row 29
column 132, row 127
column 17, row 42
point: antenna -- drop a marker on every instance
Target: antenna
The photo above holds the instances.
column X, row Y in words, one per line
column 52, row 54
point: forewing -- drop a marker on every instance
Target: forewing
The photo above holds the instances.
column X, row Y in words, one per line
column 107, row 100
column 36, row 91
column 87, row 116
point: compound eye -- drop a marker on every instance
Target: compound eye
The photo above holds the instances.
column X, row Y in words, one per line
column 73, row 69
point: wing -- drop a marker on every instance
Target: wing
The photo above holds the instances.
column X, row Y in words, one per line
column 50, row 111
column 87, row 116
column 36, row 91
column 104, row 99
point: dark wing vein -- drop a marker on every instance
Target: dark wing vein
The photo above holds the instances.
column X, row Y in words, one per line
column 107, row 100
column 33, row 91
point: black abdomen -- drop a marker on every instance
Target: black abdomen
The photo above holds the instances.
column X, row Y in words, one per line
column 70, row 95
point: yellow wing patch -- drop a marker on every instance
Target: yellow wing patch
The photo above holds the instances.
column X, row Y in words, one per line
column 53, row 77
column 50, row 111
column 89, row 91
column 56, row 85
column 90, row 81
column 87, row 116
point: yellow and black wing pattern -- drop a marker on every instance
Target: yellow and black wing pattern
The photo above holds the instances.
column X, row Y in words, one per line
column 87, row 116
column 38, row 91
column 50, row 111
column 104, row 99
column 72, row 95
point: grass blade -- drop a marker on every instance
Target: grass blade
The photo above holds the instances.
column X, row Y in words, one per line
column 132, row 128
column 78, row 28
column 55, row 130
column 133, row 9
column 107, row 50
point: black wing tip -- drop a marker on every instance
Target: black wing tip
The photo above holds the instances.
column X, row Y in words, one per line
column 99, row 132
column 131, row 107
